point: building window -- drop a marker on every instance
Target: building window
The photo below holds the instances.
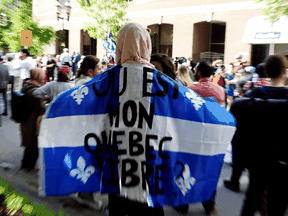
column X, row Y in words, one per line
column 88, row 45
column 129, row 0
column 208, row 41
column 162, row 38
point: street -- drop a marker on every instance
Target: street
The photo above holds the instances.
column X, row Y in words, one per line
column 228, row 203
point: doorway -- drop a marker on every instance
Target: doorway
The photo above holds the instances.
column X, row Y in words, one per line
column 88, row 45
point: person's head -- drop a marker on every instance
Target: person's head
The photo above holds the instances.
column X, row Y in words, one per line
column 63, row 74
column 90, row 66
column 24, row 54
column 183, row 71
column 238, row 57
column 203, row 70
column 276, row 65
column 222, row 68
column 77, row 52
column 260, row 70
column 164, row 64
column 65, row 49
column 249, row 70
column 37, row 76
column 133, row 45
column 49, row 56
column 9, row 59
column 104, row 65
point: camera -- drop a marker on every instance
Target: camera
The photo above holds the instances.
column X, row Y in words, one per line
column 180, row 60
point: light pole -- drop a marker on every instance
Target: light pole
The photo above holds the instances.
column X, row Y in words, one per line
column 58, row 8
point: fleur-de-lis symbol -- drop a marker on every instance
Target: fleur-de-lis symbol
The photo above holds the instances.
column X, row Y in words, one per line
column 197, row 101
column 185, row 181
column 81, row 172
column 79, row 94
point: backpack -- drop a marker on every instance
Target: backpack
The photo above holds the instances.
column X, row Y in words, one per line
column 20, row 106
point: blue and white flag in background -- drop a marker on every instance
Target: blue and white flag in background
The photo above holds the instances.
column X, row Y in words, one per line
column 110, row 46
column 135, row 132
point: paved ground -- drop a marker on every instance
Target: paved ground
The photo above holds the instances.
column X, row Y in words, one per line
column 228, row 203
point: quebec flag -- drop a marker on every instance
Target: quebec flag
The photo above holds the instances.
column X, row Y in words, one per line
column 110, row 46
column 135, row 132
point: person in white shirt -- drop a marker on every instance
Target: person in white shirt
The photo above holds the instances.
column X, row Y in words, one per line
column 27, row 64
column 79, row 63
column 44, row 62
column 17, row 72
column 65, row 58
column 11, row 72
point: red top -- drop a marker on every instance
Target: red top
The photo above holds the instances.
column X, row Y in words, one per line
column 208, row 89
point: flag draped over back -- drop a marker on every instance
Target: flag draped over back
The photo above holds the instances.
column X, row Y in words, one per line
column 134, row 131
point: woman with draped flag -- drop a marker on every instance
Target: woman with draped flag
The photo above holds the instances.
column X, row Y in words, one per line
column 134, row 133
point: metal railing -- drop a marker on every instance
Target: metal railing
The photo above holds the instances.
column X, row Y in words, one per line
column 208, row 56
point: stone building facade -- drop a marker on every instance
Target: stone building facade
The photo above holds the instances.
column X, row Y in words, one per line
column 179, row 27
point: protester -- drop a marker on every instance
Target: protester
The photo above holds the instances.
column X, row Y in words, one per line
column 268, row 167
column 262, row 80
column 163, row 63
column 39, row 62
column 111, row 62
column 133, row 46
column 26, row 65
column 104, row 66
column 230, row 85
column 51, row 89
column 184, row 76
column 65, row 58
column 75, row 61
column 239, row 63
column 30, row 128
column 11, row 72
column 4, row 79
column 206, row 88
column 50, row 66
column 216, row 64
column 90, row 67
column 79, row 63
column 17, row 78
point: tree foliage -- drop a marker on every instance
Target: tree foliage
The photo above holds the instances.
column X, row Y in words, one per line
column 106, row 16
column 21, row 19
column 275, row 8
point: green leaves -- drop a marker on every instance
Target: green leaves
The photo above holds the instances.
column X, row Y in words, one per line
column 107, row 16
column 21, row 19
column 275, row 8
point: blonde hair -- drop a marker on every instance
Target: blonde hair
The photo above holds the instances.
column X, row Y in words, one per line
column 183, row 73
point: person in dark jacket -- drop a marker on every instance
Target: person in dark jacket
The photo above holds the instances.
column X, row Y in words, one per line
column 30, row 128
column 75, row 61
column 268, row 163
column 4, row 79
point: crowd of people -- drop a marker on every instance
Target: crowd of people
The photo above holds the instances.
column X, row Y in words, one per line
column 35, row 77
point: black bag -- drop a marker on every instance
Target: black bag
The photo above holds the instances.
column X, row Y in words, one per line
column 20, row 106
